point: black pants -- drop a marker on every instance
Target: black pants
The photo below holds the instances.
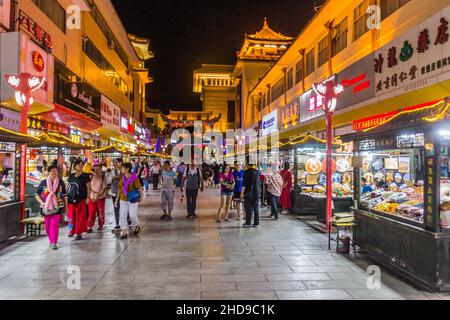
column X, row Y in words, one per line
column 191, row 200
column 116, row 211
column 155, row 179
column 251, row 208
column 274, row 204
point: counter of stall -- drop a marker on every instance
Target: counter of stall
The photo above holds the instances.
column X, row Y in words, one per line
column 306, row 155
column 402, row 188
column 11, row 161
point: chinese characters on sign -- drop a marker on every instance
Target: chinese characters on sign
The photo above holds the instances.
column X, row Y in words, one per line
column 371, row 122
column 32, row 28
column 38, row 61
column 41, row 125
column 110, row 114
column 290, row 114
column 400, row 64
column 9, row 120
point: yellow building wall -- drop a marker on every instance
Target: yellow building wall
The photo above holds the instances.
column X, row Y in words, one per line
column 216, row 101
column 67, row 47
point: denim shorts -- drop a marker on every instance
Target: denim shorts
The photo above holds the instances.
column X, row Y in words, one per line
column 224, row 193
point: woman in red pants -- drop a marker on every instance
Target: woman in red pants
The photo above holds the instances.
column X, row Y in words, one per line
column 97, row 200
column 77, row 193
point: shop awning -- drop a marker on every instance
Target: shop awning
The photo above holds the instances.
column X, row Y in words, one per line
column 418, row 118
column 110, row 150
column 56, row 140
column 69, row 117
column 12, row 136
column 36, row 108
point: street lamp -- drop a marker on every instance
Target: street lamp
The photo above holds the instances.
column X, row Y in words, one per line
column 329, row 91
column 24, row 84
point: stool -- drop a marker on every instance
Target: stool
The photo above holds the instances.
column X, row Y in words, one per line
column 340, row 226
column 33, row 226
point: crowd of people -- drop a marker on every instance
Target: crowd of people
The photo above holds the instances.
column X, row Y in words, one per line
column 80, row 195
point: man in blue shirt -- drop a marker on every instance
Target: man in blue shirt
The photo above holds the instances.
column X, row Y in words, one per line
column 365, row 187
column 238, row 175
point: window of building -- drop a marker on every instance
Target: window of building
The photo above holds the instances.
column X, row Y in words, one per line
column 310, row 62
column 324, row 53
column 53, row 11
column 340, row 41
column 263, row 102
column 231, row 114
column 388, row 7
column 290, row 79
column 93, row 53
column 277, row 90
column 360, row 17
column 299, row 71
column 101, row 22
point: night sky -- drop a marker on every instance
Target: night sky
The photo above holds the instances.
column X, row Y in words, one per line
column 185, row 34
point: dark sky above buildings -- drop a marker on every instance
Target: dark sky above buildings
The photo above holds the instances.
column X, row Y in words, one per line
column 184, row 34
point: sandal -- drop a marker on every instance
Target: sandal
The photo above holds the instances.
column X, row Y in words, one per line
column 219, row 221
column 137, row 230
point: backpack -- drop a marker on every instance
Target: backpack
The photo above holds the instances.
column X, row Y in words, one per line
column 254, row 193
column 198, row 173
column 73, row 191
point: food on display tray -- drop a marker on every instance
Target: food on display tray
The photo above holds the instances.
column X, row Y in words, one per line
column 342, row 165
column 313, row 166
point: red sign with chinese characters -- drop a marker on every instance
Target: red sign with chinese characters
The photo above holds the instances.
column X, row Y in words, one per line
column 374, row 121
column 38, row 61
column 47, row 126
column 35, row 30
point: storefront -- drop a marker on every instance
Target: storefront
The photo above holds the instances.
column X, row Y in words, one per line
column 11, row 165
column 404, row 222
column 306, row 155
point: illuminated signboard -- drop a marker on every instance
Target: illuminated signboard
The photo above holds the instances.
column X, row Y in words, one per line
column 270, row 123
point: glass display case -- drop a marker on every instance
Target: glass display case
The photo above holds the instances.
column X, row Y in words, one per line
column 7, row 173
column 392, row 182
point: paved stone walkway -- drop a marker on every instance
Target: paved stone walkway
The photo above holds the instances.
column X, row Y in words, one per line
column 194, row 259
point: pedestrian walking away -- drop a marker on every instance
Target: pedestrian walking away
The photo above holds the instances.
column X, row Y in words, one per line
column 193, row 181
column 156, row 171
column 168, row 177
column 145, row 174
column 129, row 196
column 77, row 192
column 274, row 183
column 97, row 200
column 117, row 176
column 52, row 198
column 251, row 193
column 226, row 192
column 238, row 175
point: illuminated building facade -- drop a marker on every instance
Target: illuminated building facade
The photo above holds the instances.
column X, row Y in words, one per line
column 385, row 69
column 223, row 88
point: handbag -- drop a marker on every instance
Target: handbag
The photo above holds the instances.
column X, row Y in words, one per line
column 134, row 196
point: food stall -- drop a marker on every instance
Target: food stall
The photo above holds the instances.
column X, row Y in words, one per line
column 306, row 154
column 403, row 223
column 11, row 160
column 110, row 153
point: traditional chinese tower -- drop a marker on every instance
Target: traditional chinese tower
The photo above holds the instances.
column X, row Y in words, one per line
column 258, row 54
